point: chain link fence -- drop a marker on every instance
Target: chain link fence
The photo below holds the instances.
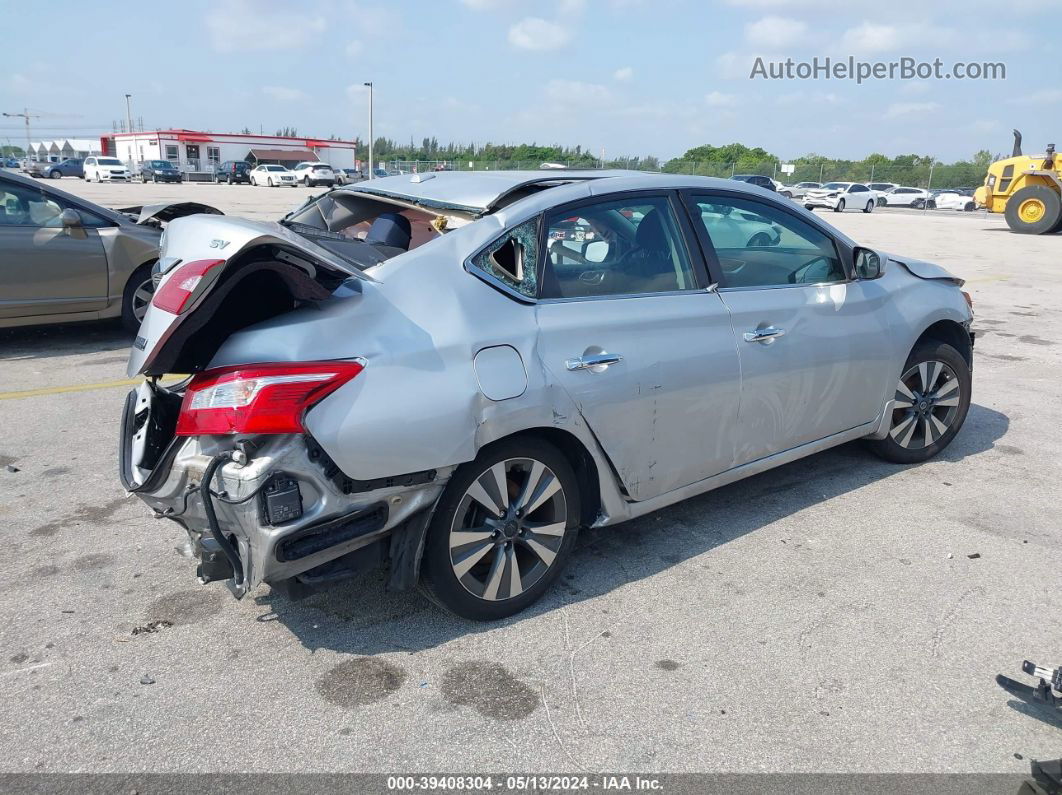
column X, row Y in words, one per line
column 919, row 175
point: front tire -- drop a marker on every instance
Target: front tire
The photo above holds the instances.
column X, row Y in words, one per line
column 56, row 174
column 869, row 208
column 840, row 207
column 502, row 531
column 930, row 405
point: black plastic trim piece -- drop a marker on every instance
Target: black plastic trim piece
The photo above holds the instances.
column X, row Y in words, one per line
column 318, row 538
column 349, row 485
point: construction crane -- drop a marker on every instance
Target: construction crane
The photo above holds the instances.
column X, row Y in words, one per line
column 25, row 114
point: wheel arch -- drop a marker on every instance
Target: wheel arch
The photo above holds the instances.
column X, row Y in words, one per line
column 952, row 333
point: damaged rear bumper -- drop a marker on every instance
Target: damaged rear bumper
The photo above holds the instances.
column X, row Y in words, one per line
column 278, row 507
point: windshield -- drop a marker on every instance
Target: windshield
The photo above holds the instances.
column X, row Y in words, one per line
column 161, row 164
column 320, row 167
column 275, row 168
column 109, row 161
column 835, row 185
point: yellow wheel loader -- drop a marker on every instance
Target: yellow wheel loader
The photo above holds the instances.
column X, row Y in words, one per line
column 1026, row 189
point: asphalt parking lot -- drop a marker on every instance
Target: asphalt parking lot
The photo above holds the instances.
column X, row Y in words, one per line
column 836, row 614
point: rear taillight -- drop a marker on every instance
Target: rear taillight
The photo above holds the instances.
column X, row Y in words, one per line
column 259, row 398
column 174, row 295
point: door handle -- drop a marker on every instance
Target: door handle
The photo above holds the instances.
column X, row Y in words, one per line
column 765, row 335
column 595, row 363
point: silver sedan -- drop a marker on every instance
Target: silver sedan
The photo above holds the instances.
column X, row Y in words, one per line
column 450, row 374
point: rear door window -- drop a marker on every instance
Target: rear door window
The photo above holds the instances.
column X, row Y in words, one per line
column 619, row 247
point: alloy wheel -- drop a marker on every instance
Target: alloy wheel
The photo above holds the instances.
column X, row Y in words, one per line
column 925, row 406
column 508, row 529
column 142, row 298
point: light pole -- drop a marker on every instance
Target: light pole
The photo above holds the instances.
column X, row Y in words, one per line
column 372, row 175
column 129, row 118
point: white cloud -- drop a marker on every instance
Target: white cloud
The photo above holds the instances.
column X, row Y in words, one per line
column 776, row 32
column 623, row 73
column 575, row 92
column 238, row 25
column 483, row 5
column 868, row 38
column 535, row 33
column 898, row 109
column 354, row 48
column 717, row 99
column 915, row 87
column 738, row 65
column 283, row 93
column 1045, row 96
column 571, row 7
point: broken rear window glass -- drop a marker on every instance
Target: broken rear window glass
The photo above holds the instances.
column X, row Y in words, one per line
column 511, row 259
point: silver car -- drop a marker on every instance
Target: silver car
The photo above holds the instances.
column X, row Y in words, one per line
column 65, row 259
column 451, row 373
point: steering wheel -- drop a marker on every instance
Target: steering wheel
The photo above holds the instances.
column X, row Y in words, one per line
column 569, row 253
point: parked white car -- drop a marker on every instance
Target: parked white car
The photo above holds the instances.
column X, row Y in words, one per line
column 272, row 176
column 906, row 197
column 733, row 228
column 841, row 196
column 954, row 200
column 314, row 173
column 105, row 169
column 880, row 189
column 797, row 191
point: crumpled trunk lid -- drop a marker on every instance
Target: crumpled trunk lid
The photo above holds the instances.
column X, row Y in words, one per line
column 262, row 270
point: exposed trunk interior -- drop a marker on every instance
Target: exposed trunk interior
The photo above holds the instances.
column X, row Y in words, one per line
column 247, row 294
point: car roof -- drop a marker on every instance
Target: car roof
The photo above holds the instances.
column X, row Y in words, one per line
column 473, row 191
column 111, row 215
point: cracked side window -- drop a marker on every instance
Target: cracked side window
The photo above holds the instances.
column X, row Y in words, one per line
column 512, row 258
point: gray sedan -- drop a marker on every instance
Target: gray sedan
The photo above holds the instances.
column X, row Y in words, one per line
column 450, row 374
column 66, row 259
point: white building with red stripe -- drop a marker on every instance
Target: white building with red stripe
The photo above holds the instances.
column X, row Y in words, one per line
column 194, row 152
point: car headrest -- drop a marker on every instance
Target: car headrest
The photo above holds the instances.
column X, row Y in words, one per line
column 651, row 234
column 390, row 229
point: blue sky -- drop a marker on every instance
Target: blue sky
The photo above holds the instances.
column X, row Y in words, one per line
column 632, row 77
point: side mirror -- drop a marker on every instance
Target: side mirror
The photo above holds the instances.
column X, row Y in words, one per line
column 868, row 264
column 595, row 250
column 70, row 218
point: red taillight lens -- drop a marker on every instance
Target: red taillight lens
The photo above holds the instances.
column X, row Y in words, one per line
column 259, row 398
column 174, row 293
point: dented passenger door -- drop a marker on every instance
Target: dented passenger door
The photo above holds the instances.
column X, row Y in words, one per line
column 628, row 327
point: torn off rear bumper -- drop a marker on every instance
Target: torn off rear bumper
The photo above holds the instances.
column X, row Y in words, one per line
column 320, row 519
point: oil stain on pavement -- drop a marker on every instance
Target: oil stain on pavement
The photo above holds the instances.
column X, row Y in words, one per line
column 361, row 681
column 90, row 514
column 185, row 607
column 490, row 689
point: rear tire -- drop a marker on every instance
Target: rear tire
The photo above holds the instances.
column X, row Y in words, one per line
column 136, row 297
column 488, row 562
column 1034, row 210
column 929, row 409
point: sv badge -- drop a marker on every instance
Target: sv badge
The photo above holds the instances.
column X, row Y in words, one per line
column 218, row 243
